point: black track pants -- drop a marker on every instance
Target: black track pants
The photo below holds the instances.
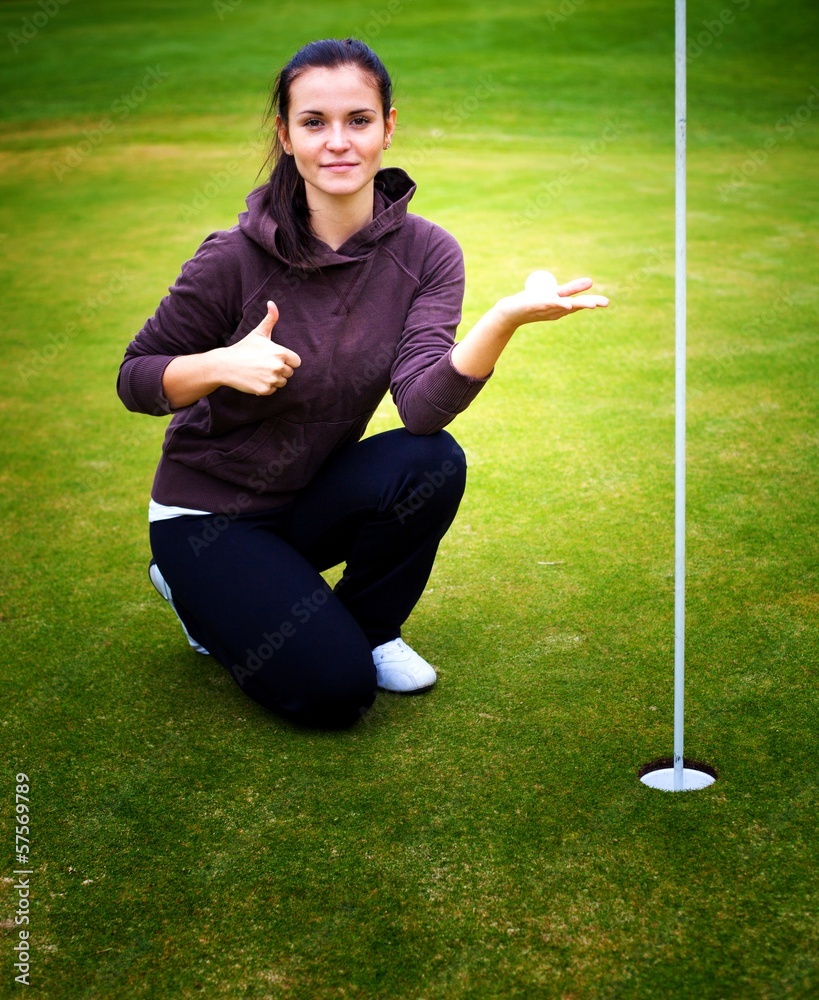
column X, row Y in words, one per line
column 249, row 589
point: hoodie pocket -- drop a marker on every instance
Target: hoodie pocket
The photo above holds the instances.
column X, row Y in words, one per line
column 275, row 456
column 238, row 446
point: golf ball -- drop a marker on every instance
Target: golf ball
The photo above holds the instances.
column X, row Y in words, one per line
column 542, row 283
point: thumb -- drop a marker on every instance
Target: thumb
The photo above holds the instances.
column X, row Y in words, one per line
column 265, row 328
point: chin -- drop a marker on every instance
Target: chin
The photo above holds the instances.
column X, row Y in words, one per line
column 346, row 185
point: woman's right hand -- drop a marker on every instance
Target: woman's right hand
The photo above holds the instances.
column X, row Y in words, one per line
column 257, row 364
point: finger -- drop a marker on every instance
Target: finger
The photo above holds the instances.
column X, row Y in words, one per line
column 288, row 357
column 271, row 384
column 265, row 328
column 574, row 286
column 278, row 381
column 589, row 302
column 543, row 298
column 263, row 390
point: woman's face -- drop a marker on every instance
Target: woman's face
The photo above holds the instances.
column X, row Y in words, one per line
column 337, row 130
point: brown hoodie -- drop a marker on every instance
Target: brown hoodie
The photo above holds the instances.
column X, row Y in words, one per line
column 379, row 313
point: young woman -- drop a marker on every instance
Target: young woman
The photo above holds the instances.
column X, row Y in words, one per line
column 272, row 350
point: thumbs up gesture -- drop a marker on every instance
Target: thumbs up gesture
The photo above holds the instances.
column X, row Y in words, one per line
column 257, row 364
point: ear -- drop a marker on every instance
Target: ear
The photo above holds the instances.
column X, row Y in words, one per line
column 389, row 124
column 281, row 130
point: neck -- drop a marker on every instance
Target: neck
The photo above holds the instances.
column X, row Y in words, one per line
column 334, row 219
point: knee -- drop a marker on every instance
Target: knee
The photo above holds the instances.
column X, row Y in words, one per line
column 438, row 466
column 330, row 686
column 335, row 706
column 451, row 455
column 436, row 448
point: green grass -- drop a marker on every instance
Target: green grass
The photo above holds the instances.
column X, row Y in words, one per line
column 491, row 839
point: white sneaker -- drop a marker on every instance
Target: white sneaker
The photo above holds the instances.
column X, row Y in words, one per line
column 158, row 580
column 400, row 668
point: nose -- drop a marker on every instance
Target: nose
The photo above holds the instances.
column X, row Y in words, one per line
column 337, row 138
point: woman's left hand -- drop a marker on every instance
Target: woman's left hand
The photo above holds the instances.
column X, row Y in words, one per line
column 542, row 299
column 538, row 304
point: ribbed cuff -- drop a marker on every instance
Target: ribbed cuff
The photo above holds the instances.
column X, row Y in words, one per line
column 448, row 389
column 140, row 384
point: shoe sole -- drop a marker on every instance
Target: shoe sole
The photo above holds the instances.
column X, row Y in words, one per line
column 422, row 690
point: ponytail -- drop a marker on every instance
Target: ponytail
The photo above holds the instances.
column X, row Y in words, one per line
column 286, row 200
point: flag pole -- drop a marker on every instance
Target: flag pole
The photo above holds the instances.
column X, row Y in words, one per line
column 680, row 380
column 679, row 778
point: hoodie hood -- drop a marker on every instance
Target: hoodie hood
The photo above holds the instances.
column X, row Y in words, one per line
column 393, row 190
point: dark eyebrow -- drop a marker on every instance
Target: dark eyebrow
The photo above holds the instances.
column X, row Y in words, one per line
column 320, row 114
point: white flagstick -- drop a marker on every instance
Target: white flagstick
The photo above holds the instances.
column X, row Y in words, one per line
column 679, row 491
column 679, row 778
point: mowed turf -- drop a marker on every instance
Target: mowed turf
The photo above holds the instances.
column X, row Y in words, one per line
column 490, row 839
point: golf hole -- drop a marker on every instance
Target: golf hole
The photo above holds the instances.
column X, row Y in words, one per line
column 660, row 774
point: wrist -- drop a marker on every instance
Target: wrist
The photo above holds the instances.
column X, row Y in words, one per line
column 215, row 368
column 503, row 319
column 477, row 353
